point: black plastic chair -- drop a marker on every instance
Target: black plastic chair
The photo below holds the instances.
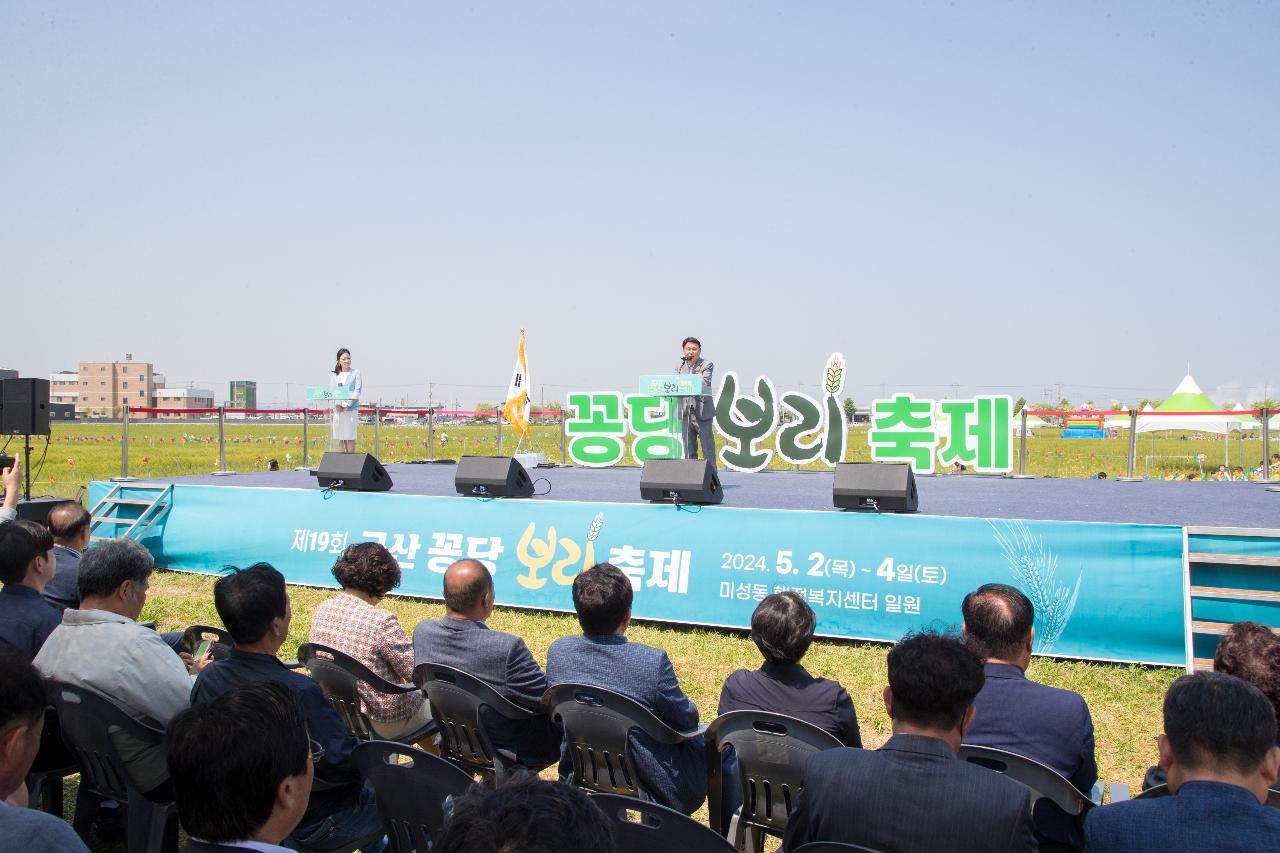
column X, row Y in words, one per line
column 656, row 827
column 1273, row 795
column 1043, row 782
column 833, row 847
column 771, row 751
column 457, row 699
column 90, row 726
column 53, row 763
column 597, row 724
column 339, row 676
column 412, row 787
column 222, row 642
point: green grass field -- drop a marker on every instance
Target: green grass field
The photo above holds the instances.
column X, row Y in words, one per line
column 80, row 452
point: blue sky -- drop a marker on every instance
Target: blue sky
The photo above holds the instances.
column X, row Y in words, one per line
column 959, row 197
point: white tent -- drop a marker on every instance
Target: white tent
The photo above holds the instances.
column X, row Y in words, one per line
column 1188, row 397
column 1123, row 421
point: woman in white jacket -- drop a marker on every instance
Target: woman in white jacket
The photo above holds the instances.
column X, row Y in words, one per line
column 346, row 413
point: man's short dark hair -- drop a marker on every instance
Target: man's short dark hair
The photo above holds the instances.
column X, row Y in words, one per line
column 691, row 340
column 998, row 620
column 227, row 757
column 526, row 814
column 933, row 678
column 19, row 545
column 782, row 627
column 368, row 567
column 1252, row 651
column 67, row 520
column 1214, row 720
column 23, row 699
column 463, row 598
column 248, row 599
column 107, row 565
column 602, row 598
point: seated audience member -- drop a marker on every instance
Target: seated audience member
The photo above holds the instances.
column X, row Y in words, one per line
column 675, row 776
column 913, row 794
column 102, row 648
column 1219, row 751
column 462, row 640
column 11, row 479
column 241, row 769
column 26, row 565
column 782, row 628
column 352, row 622
column 1014, row 713
column 254, row 606
column 22, row 704
column 69, row 524
column 528, row 814
column 1250, row 651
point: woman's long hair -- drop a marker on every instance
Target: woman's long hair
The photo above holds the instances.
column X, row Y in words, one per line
column 337, row 364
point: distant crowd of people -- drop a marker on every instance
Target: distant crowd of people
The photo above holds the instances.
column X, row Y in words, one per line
column 255, row 755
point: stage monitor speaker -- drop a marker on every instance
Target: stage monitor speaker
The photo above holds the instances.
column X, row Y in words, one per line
column 352, row 472
column 24, row 406
column 492, row 477
column 685, row 481
column 37, row 509
column 875, row 487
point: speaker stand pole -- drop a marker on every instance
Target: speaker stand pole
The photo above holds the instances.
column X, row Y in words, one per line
column 306, row 445
column 222, row 444
column 26, row 463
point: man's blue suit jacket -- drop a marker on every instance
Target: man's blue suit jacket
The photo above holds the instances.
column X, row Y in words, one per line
column 676, row 776
column 1202, row 816
column 1048, row 724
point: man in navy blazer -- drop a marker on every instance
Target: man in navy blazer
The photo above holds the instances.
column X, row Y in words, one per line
column 675, row 776
column 913, row 794
column 241, row 769
column 1219, row 752
column 698, row 413
column 69, row 524
column 463, row 641
column 1014, row 713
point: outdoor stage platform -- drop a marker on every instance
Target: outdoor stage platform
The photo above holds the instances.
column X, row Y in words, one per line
column 1182, row 503
column 1108, row 565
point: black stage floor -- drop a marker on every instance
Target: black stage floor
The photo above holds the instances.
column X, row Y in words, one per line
column 1211, row 504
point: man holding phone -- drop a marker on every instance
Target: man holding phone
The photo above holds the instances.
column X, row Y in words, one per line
column 11, row 477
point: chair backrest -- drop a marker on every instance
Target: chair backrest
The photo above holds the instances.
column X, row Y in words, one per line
column 457, row 699
column 339, row 676
column 1273, row 795
column 833, row 847
column 222, row 642
column 91, row 725
column 597, row 723
column 1043, row 782
column 642, row 827
column 411, row 787
column 771, row 751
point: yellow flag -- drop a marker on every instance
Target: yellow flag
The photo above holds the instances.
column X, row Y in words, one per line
column 516, row 409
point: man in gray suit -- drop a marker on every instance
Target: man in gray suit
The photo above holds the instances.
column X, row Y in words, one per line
column 675, row 776
column 69, row 524
column 913, row 794
column 697, row 414
column 463, row 641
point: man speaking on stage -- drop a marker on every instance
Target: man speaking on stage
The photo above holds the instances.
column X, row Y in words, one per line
column 697, row 414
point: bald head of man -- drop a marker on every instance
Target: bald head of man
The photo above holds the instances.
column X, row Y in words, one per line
column 69, row 524
column 468, row 591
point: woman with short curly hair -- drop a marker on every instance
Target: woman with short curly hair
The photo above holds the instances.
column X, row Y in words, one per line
column 352, row 622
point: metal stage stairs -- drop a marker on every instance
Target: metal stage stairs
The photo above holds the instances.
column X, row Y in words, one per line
column 1233, row 575
column 136, row 514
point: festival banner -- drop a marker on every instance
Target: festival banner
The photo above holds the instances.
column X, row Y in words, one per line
column 1101, row 591
column 755, row 423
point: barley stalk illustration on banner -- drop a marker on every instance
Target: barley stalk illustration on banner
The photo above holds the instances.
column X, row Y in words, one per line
column 1035, row 568
column 835, row 374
